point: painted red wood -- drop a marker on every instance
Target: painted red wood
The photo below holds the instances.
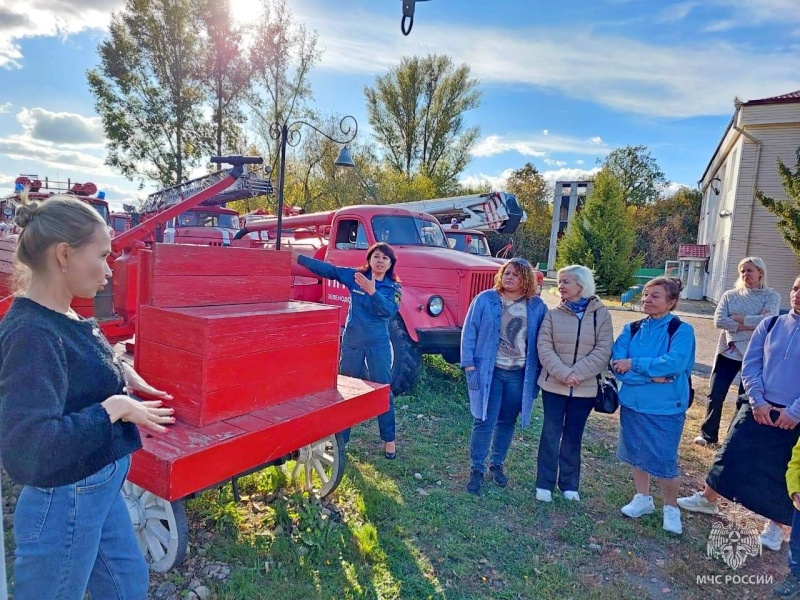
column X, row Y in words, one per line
column 211, row 290
column 184, row 461
column 184, row 260
column 240, row 329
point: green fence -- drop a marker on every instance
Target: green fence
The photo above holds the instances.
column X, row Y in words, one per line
column 644, row 275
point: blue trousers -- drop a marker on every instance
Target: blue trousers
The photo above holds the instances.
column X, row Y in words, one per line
column 73, row 537
column 373, row 363
column 794, row 545
column 559, row 457
column 505, row 405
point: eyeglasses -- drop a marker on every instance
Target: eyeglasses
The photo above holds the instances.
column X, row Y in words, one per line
column 519, row 261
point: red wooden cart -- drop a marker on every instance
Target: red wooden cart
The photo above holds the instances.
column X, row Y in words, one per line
column 254, row 380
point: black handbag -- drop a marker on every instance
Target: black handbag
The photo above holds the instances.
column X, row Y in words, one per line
column 607, row 399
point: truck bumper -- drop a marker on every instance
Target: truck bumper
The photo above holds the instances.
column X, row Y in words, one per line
column 442, row 340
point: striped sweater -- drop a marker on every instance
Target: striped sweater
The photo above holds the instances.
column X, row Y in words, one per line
column 752, row 304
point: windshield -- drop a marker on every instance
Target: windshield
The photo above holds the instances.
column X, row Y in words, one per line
column 201, row 218
column 103, row 210
column 408, row 231
column 467, row 242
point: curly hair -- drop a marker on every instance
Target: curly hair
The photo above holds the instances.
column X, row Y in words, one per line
column 526, row 273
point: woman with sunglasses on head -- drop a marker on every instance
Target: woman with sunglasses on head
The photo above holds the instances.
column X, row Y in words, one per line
column 499, row 356
column 375, row 295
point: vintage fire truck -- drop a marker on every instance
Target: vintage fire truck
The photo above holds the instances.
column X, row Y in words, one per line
column 438, row 283
column 210, row 223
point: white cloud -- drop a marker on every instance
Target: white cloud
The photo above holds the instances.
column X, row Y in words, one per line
column 677, row 12
column 578, row 162
column 545, row 131
column 20, row 19
column 717, row 26
column 622, row 73
column 673, row 188
column 539, row 146
column 5, row 108
column 554, row 163
column 27, row 150
column 500, row 180
column 5, row 180
column 61, row 127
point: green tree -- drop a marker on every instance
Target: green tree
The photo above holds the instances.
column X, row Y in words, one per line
column 788, row 210
column 602, row 237
column 282, row 55
column 532, row 238
column 417, row 112
column 639, row 175
column 148, row 94
column 226, row 74
column 665, row 224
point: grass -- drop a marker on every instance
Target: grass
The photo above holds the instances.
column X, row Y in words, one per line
column 389, row 534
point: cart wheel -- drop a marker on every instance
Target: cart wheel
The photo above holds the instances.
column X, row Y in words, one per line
column 161, row 527
column 322, row 465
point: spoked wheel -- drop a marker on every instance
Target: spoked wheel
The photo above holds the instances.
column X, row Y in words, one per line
column 321, row 465
column 161, row 527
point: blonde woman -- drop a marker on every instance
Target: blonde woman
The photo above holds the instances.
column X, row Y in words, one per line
column 738, row 313
column 574, row 348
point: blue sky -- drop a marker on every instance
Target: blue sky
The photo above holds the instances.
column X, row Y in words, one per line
column 564, row 82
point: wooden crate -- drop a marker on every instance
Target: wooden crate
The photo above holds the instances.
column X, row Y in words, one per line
column 189, row 459
column 224, row 361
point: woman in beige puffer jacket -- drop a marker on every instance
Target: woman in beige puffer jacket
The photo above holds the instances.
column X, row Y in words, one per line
column 574, row 347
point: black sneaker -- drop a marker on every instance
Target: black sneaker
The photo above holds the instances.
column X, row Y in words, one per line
column 475, row 480
column 499, row 477
column 790, row 588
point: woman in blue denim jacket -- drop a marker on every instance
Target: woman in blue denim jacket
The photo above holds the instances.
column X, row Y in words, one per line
column 498, row 354
column 654, row 368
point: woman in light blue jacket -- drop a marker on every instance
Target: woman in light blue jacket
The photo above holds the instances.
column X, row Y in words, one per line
column 498, row 354
column 654, row 360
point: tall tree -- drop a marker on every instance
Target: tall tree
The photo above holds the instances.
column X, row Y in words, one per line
column 226, row 72
column 641, row 178
column 665, row 224
column 601, row 237
column 417, row 112
column 532, row 238
column 788, row 210
column 282, row 55
column 147, row 91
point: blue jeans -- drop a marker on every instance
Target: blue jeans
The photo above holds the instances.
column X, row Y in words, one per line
column 373, row 363
column 559, row 455
column 794, row 545
column 505, row 404
column 73, row 537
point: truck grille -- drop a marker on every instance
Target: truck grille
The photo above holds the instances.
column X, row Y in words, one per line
column 480, row 282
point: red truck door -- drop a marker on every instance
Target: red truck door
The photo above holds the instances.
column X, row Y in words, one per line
column 347, row 247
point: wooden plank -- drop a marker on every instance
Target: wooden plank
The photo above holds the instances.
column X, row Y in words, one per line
column 222, row 461
column 186, row 260
column 212, row 290
column 240, row 329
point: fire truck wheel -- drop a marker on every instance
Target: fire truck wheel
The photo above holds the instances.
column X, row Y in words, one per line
column 406, row 358
column 320, row 466
column 161, row 527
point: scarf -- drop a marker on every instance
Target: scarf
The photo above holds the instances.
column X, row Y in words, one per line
column 579, row 306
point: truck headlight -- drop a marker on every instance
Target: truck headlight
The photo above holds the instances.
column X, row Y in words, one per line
column 435, row 306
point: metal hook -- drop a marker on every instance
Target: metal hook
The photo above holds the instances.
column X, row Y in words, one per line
column 408, row 16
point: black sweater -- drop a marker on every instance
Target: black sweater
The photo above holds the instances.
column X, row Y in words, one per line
column 54, row 373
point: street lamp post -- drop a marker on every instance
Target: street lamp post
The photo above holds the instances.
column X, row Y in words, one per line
column 289, row 134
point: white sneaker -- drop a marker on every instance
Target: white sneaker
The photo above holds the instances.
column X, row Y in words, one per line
column 639, row 506
column 544, row 495
column 572, row 496
column 672, row 520
column 700, row 441
column 772, row 536
column 698, row 503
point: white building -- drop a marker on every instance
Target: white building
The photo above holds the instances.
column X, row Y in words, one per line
column 733, row 223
